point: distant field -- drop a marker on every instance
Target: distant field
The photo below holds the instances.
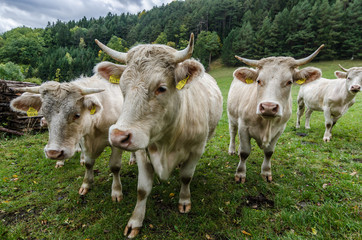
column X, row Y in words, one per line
column 315, row 194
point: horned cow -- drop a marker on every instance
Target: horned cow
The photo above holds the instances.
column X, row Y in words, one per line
column 81, row 112
column 171, row 109
column 260, row 104
column 332, row 97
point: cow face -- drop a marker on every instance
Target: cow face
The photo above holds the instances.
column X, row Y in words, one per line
column 274, row 77
column 273, row 80
column 66, row 109
column 353, row 78
column 151, row 98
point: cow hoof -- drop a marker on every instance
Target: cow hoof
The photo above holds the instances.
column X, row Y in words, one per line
column 82, row 162
column 130, row 232
column 117, row 198
column 267, row 178
column 59, row 164
column 307, row 127
column 83, row 191
column 132, row 162
column 231, row 153
column 326, row 139
column 239, row 179
column 297, row 127
column 184, row 208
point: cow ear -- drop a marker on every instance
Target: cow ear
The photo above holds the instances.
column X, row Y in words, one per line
column 25, row 102
column 306, row 75
column 92, row 104
column 246, row 75
column 110, row 71
column 340, row 74
column 187, row 71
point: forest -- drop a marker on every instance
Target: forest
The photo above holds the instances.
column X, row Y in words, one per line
column 254, row 29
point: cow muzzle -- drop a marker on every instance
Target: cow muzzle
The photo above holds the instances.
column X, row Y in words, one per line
column 355, row 88
column 268, row 109
column 120, row 139
column 55, row 154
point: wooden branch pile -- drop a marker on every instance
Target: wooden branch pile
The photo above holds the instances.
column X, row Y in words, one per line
column 14, row 122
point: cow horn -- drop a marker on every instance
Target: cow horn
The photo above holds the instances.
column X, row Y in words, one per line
column 250, row 62
column 303, row 61
column 28, row 89
column 344, row 69
column 86, row 91
column 119, row 56
column 187, row 52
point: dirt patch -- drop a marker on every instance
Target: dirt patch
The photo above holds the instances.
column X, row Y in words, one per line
column 23, row 214
column 257, row 202
column 301, row 134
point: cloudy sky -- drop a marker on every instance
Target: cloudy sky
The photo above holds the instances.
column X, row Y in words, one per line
column 37, row 13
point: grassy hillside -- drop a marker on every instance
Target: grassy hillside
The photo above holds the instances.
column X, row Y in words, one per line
column 315, row 193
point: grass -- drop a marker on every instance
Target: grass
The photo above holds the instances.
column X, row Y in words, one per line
column 315, row 193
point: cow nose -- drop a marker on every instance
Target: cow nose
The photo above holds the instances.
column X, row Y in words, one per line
column 120, row 138
column 268, row 109
column 55, row 154
column 355, row 88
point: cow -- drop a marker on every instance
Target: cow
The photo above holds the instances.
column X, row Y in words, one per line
column 332, row 97
column 260, row 104
column 80, row 111
column 171, row 109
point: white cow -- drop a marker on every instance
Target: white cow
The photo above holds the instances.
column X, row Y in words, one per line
column 332, row 97
column 260, row 104
column 80, row 111
column 171, row 109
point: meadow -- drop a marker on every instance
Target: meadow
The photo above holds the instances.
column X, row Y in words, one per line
column 315, row 193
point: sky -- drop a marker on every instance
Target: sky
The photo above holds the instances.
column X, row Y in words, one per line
column 37, row 13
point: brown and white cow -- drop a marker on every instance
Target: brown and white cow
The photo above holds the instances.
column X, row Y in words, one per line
column 80, row 111
column 171, row 109
column 260, row 104
column 333, row 97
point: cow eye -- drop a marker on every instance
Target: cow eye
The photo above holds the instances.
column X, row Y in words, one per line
column 160, row 90
column 76, row 116
column 289, row 82
column 258, row 82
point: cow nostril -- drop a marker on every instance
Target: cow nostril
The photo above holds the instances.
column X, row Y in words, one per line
column 127, row 138
column 275, row 109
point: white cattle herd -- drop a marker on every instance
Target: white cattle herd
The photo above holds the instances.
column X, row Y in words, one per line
column 163, row 107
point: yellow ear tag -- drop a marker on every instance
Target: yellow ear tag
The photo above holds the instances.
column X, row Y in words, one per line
column 114, row 79
column 93, row 110
column 32, row 112
column 182, row 83
column 249, row 80
column 300, row 81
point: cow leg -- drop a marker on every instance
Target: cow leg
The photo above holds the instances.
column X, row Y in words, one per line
column 308, row 114
column 59, row 164
column 132, row 159
column 329, row 124
column 145, row 181
column 186, row 173
column 266, row 172
column 244, row 152
column 115, row 166
column 89, row 175
column 300, row 111
column 232, row 131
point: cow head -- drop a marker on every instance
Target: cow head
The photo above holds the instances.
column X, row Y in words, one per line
column 353, row 76
column 155, row 78
column 273, row 78
column 66, row 107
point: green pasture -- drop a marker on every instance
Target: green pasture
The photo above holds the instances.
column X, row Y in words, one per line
column 315, row 193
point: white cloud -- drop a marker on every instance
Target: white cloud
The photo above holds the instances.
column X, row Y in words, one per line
column 37, row 13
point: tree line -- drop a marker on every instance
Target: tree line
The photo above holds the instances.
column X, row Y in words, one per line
column 250, row 28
